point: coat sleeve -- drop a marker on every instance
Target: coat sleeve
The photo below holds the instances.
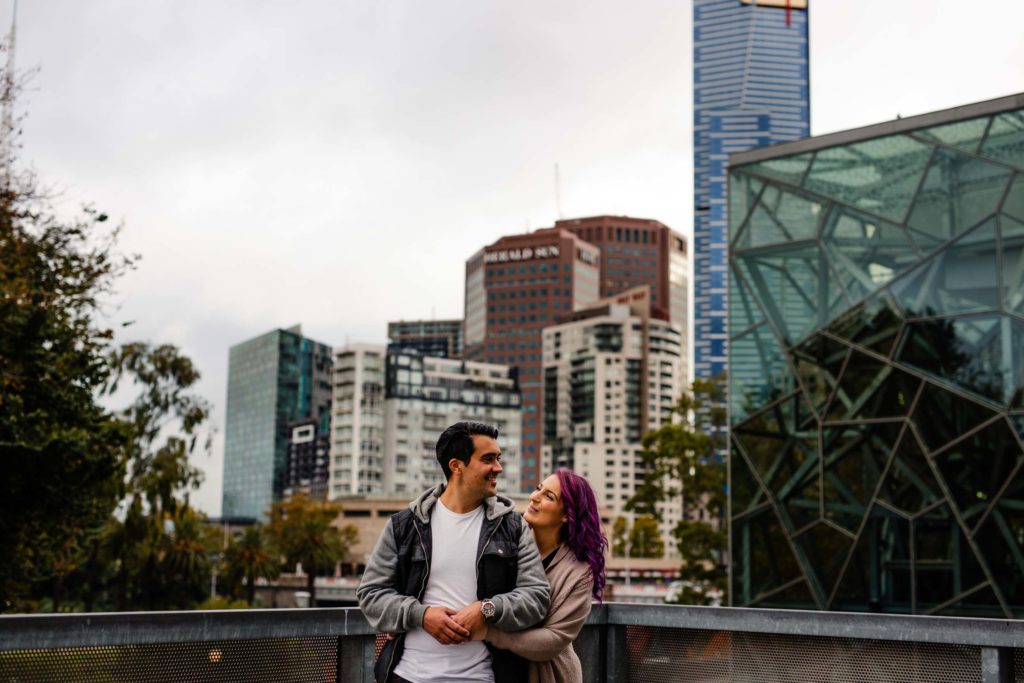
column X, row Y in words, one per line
column 562, row 627
column 386, row 609
column 527, row 603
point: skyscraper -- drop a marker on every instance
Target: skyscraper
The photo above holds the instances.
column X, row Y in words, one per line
column 636, row 252
column 438, row 338
column 750, row 88
column 273, row 380
column 514, row 288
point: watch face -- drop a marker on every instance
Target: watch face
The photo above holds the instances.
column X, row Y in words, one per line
column 487, row 607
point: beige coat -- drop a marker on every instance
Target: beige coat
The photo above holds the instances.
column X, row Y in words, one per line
column 548, row 645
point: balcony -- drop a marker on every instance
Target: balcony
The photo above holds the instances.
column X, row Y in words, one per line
column 620, row 642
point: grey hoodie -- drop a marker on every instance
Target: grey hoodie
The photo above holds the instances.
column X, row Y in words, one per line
column 389, row 611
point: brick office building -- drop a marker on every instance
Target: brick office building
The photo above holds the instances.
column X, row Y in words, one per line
column 514, row 288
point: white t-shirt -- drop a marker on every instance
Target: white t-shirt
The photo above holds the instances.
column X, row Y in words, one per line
column 452, row 583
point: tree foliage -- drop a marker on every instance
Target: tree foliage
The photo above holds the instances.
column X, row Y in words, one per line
column 247, row 558
column 682, row 459
column 301, row 529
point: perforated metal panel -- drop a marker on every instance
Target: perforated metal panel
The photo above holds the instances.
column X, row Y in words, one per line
column 671, row 655
column 1018, row 666
column 298, row 660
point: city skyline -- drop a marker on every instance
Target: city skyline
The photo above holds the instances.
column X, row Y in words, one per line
column 376, row 148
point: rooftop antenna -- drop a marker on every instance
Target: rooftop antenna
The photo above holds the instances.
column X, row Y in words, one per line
column 7, row 116
column 558, row 192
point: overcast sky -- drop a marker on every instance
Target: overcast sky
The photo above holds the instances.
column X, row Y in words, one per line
column 334, row 163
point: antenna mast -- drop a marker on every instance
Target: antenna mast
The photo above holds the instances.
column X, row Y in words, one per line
column 558, row 193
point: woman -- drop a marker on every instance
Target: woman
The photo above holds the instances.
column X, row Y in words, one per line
column 567, row 528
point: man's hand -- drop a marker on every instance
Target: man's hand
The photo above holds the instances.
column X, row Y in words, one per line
column 472, row 619
column 438, row 622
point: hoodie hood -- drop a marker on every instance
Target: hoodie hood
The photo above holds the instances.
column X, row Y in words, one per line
column 494, row 506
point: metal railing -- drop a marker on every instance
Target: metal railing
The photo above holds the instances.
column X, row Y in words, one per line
column 620, row 643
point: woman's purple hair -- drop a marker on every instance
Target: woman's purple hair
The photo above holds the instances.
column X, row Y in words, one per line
column 582, row 529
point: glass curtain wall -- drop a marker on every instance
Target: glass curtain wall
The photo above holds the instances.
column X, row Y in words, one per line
column 876, row 369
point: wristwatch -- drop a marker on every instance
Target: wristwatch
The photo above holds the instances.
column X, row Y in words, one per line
column 487, row 609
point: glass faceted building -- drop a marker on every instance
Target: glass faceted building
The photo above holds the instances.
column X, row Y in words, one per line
column 876, row 367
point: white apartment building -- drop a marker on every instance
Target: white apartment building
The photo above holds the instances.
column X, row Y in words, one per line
column 611, row 374
column 424, row 395
column 390, row 406
column 357, row 422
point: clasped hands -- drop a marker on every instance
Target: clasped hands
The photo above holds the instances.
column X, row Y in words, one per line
column 450, row 627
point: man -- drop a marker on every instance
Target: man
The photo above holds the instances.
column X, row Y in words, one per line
column 457, row 556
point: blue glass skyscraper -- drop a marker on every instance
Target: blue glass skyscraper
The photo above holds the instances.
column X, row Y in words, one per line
column 273, row 380
column 750, row 88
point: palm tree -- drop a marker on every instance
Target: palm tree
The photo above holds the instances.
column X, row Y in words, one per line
column 249, row 557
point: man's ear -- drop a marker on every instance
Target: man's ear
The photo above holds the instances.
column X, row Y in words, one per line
column 455, row 465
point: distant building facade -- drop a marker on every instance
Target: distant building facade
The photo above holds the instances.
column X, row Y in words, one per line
column 876, row 365
column 750, row 88
column 273, row 380
column 637, row 252
column 440, row 338
column 514, row 288
column 424, row 395
column 307, row 461
column 611, row 374
column 357, row 421
column 390, row 407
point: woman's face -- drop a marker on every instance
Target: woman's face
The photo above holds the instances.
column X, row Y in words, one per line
column 546, row 509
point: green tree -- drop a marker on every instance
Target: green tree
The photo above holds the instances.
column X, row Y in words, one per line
column 247, row 558
column 686, row 452
column 301, row 529
column 645, row 538
column 620, row 528
column 59, row 448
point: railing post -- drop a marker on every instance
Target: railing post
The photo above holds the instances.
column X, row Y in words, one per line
column 996, row 665
column 355, row 659
column 616, row 656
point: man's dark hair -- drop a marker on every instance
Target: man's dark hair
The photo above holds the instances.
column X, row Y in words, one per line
column 457, row 442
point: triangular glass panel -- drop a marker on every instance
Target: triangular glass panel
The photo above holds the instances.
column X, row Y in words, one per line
column 1013, row 204
column 963, row 134
column 779, row 439
column 758, row 372
column 1012, row 233
column 1005, row 139
column 874, row 323
column 746, row 492
column 959, row 279
column 743, row 309
column 1001, row 540
column 762, row 558
column 958, row 192
column 826, row 550
column 796, row 485
column 789, row 169
column 871, row 389
column 980, row 354
column 780, row 217
column 910, row 484
column 855, row 457
column 743, row 191
column 795, row 596
column 819, row 362
column 942, row 416
column 787, row 283
column 879, row 570
column 944, row 563
column 866, row 251
column 980, row 603
column 976, row 468
column 878, row 176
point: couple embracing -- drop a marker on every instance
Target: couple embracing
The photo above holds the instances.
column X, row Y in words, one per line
column 474, row 592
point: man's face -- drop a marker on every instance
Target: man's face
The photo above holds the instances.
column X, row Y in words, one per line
column 481, row 474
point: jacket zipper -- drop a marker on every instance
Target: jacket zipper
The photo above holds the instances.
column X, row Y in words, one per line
column 486, row 543
column 423, row 587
